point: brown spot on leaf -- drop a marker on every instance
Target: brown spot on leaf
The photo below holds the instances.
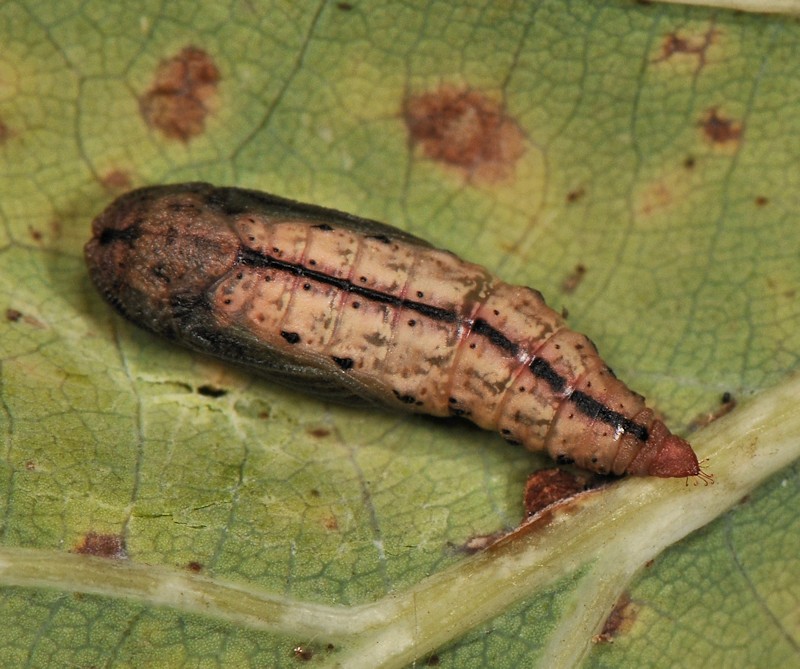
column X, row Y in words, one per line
column 15, row 316
column 619, row 621
column 548, row 486
column 331, row 523
column 574, row 279
column 466, row 130
column 576, row 194
column 677, row 44
column 727, row 404
column 102, row 545
column 183, row 94
column 344, row 6
column 762, row 201
column 30, row 465
column 689, row 162
column 116, row 181
column 36, row 234
column 194, row 566
column 719, row 129
column 319, row 432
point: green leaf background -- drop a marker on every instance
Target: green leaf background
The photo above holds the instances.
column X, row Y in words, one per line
column 658, row 150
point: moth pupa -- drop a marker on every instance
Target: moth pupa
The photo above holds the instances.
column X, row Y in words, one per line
column 358, row 311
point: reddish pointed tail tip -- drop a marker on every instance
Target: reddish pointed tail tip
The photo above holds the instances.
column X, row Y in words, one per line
column 675, row 458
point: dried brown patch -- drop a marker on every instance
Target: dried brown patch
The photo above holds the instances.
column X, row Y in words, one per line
column 694, row 47
column 466, row 130
column 574, row 279
column 619, row 621
column 319, row 432
column 727, row 404
column 102, row 545
column 194, row 566
column 116, row 181
column 548, row 486
column 762, row 201
column 719, row 129
column 13, row 315
column 331, row 523
column 36, row 234
column 30, row 465
column 183, row 94
column 575, row 195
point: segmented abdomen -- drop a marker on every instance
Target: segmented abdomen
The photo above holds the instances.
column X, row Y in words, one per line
column 320, row 297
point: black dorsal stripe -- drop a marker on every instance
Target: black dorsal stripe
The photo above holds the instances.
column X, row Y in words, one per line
column 256, row 259
column 539, row 367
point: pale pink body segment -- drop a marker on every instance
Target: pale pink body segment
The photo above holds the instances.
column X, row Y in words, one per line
column 308, row 293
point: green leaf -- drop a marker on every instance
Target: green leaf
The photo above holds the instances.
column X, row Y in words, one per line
column 636, row 163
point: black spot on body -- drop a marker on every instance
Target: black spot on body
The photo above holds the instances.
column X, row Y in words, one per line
column 383, row 239
column 291, row 337
column 323, row 226
column 344, row 363
column 405, row 399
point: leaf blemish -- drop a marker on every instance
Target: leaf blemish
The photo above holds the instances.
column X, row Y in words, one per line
column 549, row 486
column 727, row 404
column 576, row 194
column 303, row 653
column 466, row 130
column 574, row 279
column 102, row 545
column 116, row 181
column 693, row 46
column 183, row 94
column 619, row 621
column 5, row 132
column 719, row 129
column 211, row 391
